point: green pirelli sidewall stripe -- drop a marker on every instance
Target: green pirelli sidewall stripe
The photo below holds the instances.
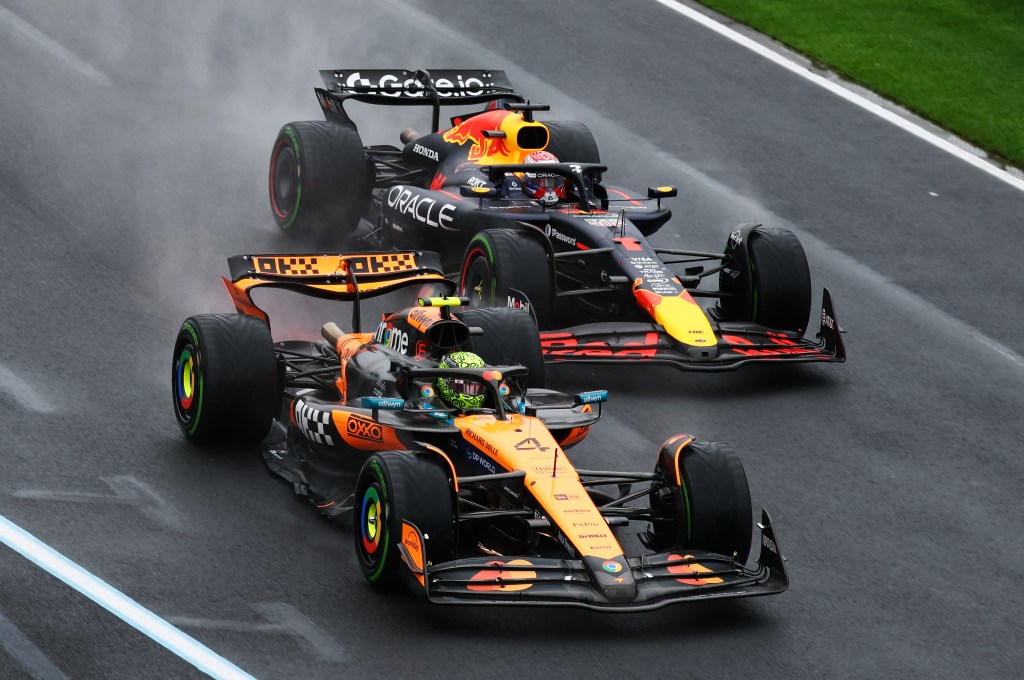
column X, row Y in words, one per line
column 298, row 172
column 191, row 427
column 490, row 260
column 385, row 538
column 686, row 495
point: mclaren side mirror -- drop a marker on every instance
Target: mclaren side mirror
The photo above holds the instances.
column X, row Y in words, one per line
column 383, row 403
column 595, row 397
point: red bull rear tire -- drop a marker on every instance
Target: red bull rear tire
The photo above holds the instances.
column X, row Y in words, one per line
column 572, row 142
column 320, row 179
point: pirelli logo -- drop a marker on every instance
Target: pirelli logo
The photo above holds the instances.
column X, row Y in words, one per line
column 287, row 266
column 381, row 264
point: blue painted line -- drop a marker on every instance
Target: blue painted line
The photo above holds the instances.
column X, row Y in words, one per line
column 119, row 604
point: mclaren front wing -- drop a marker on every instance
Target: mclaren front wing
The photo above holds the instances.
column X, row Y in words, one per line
column 647, row 582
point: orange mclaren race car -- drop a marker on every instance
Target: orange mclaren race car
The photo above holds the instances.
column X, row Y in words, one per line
column 427, row 435
column 520, row 214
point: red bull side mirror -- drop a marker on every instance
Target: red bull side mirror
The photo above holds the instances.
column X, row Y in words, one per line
column 661, row 192
column 478, row 192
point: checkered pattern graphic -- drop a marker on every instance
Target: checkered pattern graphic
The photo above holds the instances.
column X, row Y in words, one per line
column 286, row 266
column 382, row 264
column 301, row 265
column 314, row 423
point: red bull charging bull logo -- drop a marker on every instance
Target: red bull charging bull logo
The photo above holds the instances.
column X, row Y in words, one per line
column 491, row 149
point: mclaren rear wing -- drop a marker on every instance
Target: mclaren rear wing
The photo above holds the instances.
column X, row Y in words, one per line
column 331, row 276
column 435, row 88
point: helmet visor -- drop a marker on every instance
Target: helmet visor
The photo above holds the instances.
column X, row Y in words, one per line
column 469, row 388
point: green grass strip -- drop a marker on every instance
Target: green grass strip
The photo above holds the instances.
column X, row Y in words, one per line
column 959, row 63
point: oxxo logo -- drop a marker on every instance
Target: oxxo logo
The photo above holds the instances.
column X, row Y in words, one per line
column 827, row 321
column 769, row 543
column 363, row 428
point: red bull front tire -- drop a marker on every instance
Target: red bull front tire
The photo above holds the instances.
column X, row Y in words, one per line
column 768, row 281
column 500, row 262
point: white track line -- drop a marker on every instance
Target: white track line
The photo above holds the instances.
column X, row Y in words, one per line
column 22, row 392
column 840, row 90
column 20, row 648
column 118, row 603
column 53, row 48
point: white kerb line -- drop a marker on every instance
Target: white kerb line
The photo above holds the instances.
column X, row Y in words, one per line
column 118, row 603
column 847, row 94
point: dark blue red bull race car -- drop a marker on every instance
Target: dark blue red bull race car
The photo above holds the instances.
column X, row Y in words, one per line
column 519, row 211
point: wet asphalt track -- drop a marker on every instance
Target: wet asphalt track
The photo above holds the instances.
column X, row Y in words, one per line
column 135, row 139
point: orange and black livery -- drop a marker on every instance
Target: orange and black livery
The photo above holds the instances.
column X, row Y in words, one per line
column 466, row 502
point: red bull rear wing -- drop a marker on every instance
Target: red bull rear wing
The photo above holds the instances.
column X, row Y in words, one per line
column 436, row 88
column 737, row 344
column 386, row 86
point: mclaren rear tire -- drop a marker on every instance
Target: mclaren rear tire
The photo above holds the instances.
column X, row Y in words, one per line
column 510, row 336
column 224, row 379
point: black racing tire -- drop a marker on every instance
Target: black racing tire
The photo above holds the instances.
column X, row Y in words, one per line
column 572, row 142
column 499, row 259
column 711, row 510
column 510, row 336
column 774, row 290
column 224, row 379
column 320, row 179
column 393, row 486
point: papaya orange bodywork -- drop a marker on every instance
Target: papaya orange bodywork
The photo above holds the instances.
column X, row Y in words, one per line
column 524, row 443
